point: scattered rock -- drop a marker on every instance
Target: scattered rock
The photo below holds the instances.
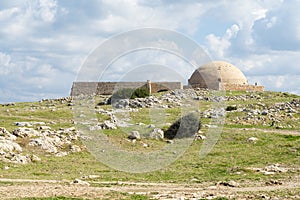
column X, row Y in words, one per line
column 25, row 132
column 157, row 134
column 90, row 177
column 75, row 148
column 61, row 154
column 8, row 146
column 229, row 184
column 6, row 168
column 23, row 123
column 35, row 158
column 200, row 137
column 231, row 108
column 46, row 143
column 80, row 182
column 134, row 135
column 4, row 134
column 108, row 125
column 44, row 128
column 20, row 159
column 252, row 139
column 271, row 169
column 273, row 182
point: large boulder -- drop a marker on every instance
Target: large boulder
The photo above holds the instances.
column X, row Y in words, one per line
column 186, row 126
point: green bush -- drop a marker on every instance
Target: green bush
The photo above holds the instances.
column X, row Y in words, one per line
column 128, row 93
column 140, row 93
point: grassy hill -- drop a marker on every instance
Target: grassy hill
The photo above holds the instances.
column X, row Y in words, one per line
column 271, row 118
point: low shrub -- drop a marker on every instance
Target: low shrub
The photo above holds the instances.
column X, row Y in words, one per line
column 128, row 93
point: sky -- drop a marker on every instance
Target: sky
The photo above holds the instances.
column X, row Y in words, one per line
column 43, row 43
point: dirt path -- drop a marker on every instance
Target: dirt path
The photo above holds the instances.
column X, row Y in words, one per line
column 16, row 188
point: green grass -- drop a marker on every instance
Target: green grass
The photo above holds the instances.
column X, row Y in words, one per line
column 230, row 155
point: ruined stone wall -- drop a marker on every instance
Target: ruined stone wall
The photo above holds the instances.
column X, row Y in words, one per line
column 165, row 86
column 85, row 88
column 235, row 87
column 107, row 88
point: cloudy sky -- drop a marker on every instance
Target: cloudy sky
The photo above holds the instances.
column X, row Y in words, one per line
column 43, row 43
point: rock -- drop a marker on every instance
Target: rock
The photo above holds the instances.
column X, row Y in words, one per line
column 23, row 123
column 8, row 146
column 170, row 141
column 184, row 127
column 231, row 108
column 3, row 131
column 39, row 123
column 75, row 148
column 61, row 154
column 273, row 182
column 6, row 135
column 90, row 177
column 252, row 139
column 25, row 132
column 134, row 135
column 80, row 182
column 200, row 137
column 35, row 158
column 44, row 128
column 6, row 168
column 45, row 143
column 275, row 168
column 151, row 126
column 265, row 112
column 95, row 128
column 108, row 125
column 229, row 184
column 157, row 134
column 19, row 159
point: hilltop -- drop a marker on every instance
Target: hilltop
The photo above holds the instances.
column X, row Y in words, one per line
column 256, row 154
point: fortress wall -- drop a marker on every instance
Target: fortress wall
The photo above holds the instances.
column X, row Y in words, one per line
column 165, row 86
column 235, row 87
column 107, row 88
column 85, row 88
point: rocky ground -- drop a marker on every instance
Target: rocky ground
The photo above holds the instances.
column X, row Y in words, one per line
column 247, row 111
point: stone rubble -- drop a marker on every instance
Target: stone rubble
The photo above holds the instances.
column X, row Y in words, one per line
column 51, row 142
column 271, row 169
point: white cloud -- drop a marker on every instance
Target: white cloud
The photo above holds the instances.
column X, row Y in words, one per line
column 5, row 64
column 219, row 45
column 280, row 29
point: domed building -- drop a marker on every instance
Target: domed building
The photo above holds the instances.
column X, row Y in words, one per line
column 220, row 75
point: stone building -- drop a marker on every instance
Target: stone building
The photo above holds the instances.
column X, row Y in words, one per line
column 108, row 88
column 220, row 75
column 217, row 75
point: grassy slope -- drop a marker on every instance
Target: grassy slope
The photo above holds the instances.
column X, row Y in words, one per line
column 231, row 154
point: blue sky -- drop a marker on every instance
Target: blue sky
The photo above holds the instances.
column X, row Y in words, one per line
column 44, row 42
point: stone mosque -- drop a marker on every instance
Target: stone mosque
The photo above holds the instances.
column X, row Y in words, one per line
column 220, row 75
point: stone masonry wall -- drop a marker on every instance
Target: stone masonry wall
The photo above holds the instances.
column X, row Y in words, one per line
column 242, row 87
column 107, row 88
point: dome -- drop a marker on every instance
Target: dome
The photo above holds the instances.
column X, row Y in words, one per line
column 210, row 75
